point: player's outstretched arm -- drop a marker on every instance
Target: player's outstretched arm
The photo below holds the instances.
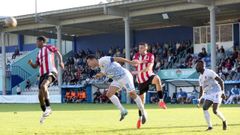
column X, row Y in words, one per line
column 32, row 65
column 123, row 60
column 60, row 59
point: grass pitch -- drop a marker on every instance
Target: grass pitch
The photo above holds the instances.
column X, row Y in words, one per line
column 103, row 119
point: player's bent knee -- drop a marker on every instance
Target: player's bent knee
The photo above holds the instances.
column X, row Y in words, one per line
column 214, row 111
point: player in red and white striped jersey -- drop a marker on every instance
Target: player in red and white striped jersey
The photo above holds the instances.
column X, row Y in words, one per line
column 145, row 76
column 48, row 72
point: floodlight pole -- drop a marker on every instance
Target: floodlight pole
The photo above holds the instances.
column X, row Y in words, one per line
column 3, row 64
column 59, row 46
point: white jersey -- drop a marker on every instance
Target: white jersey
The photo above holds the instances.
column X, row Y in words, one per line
column 111, row 69
column 208, row 82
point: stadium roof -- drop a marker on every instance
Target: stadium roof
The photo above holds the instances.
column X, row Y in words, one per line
column 144, row 14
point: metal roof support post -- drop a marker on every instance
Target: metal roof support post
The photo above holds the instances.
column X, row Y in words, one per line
column 59, row 46
column 127, row 39
column 212, row 10
column 3, row 63
column 122, row 12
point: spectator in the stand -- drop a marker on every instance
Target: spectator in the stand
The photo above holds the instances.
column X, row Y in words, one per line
column 68, row 96
column 97, row 96
column 181, row 96
column 154, row 99
column 234, row 95
column 81, row 96
column 104, row 97
column 16, row 53
column 18, row 90
column 235, row 53
column 221, row 54
column 228, row 64
column 28, row 85
column 203, row 53
column 73, row 96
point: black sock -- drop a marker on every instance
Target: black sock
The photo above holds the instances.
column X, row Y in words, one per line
column 160, row 94
column 47, row 102
column 43, row 107
column 139, row 113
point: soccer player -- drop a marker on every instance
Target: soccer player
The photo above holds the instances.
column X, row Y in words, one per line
column 146, row 77
column 48, row 72
column 121, row 77
column 213, row 86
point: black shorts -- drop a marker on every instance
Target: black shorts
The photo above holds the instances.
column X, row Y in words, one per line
column 53, row 75
column 143, row 87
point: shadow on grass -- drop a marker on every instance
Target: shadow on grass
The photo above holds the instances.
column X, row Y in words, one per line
column 164, row 130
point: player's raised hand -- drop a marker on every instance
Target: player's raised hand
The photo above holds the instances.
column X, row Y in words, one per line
column 61, row 65
column 29, row 62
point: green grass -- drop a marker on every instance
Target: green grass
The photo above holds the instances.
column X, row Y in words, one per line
column 88, row 119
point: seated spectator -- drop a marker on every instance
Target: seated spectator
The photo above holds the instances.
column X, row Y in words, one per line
column 228, row 64
column 68, row 96
column 193, row 95
column 97, row 96
column 81, row 96
column 18, row 90
column 203, row 53
column 73, row 97
column 16, row 53
column 28, row 85
column 181, row 96
column 234, row 95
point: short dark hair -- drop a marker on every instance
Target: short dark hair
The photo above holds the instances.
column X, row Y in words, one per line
column 91, row 57
column 42, row 38
column 143, row 43
column 200, row 61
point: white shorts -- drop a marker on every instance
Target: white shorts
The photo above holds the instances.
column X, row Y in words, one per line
column 214, row 97
column 126, row 82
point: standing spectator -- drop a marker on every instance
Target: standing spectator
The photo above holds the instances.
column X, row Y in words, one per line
column 18, row 90
column 16, row 53
column 203, row 53
column 28, row 85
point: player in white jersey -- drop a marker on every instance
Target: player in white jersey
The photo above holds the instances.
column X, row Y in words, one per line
column 213, row 86
column 121, row 78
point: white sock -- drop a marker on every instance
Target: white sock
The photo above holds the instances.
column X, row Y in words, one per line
column 116, row 102
column 139, row 104
column 207, row 118
column 220, row 115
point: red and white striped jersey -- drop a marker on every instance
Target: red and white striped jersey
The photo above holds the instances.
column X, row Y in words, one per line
column 146, row 60
column 45, row 59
